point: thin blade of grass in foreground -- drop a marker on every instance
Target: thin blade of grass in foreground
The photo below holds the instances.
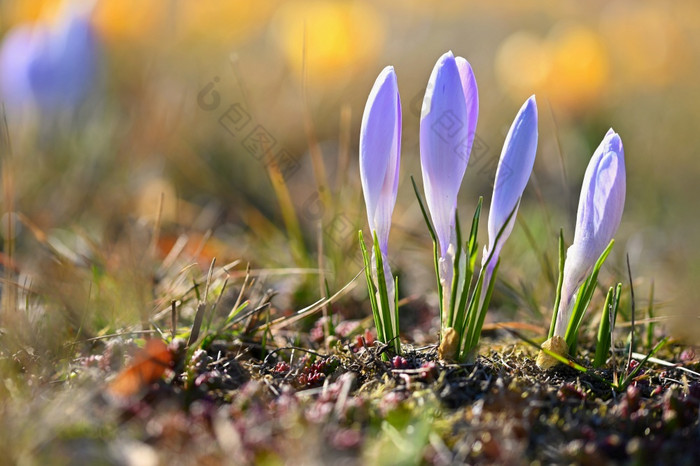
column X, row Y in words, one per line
column 201, row 308
column 650, row 315
column 313, row 308
column 560, row 282
column 433, row 236
column 607, row 325
column 476, row 313
column 371, row 289
column 470, row 262
column 583, row 299
column 390, row 326
column 628, row 379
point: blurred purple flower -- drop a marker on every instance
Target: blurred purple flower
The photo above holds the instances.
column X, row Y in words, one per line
column 447, row 127
column 53, row 68
column 512, row 175
column 599, row 213
column 380, row 148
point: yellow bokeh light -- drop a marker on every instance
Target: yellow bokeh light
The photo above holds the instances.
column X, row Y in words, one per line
column 579, row 66
column 569, row 67
column 223, row 22
column 29, row 10
column 130, row 19
column 645, row 41
column 523, row 64
column 341, row 37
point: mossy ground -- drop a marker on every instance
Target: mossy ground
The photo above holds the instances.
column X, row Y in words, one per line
column 224, row 403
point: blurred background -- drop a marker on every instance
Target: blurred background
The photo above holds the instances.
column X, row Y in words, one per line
column 237, row 125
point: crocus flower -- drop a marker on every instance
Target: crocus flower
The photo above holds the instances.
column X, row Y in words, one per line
column 16, row 56
column 599, row 212
column 52, row 68
column 447, row 127
column 512, row 175
column 380, row 147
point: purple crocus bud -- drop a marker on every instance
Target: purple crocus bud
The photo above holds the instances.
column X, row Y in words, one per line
column 16, row 55
column 471, row 97
column 599, row 212
column 512, row 175
column 447, row 128
column 53, row 68
column 380, row 147
column 447, row 125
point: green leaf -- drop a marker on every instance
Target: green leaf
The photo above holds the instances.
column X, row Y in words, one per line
column 450, row 313
column 371, row 290
column 469, row 263
column 234, row 312
column 583, row 299
column 475, row 332
column 433, row 236
column 473, row 317
column 607, row 325
column 389, row 320
column 397, row 343
column 560, row 282
column 468, row 335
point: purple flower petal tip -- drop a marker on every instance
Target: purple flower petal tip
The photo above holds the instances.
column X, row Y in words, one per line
column 380, row 147
column 447, row 127
column 512, row 175
column 599, row 213
column 602, row 196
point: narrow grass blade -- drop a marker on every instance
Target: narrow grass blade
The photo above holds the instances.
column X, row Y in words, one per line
column 285, row 321
column 330, row 326
column 371, row 290
column 603, row 339
column 467, row 337
column 560, row 282
column 650, row 315
column 481, row 313
column 628, row 379
column 583, row 299
column 664, row 363
column 470, row 336
column 201, row 307
column 236, row 312
column 390, row 327
column 397, row 343
column 433, row 236
column 633, row 312
column 471, row 250
column 454, row 291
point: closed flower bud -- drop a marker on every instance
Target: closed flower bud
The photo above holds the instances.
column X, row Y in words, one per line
column 512, row 175
column 380, row 148
column 599, row 212
column 447, row 129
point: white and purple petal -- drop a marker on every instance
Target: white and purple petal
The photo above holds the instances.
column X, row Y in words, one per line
column 444, row 143
column 512, row 175
column 599, row 213
column 380, row 148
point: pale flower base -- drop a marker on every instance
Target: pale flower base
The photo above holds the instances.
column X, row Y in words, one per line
column 555, row 344
column 447, row 351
